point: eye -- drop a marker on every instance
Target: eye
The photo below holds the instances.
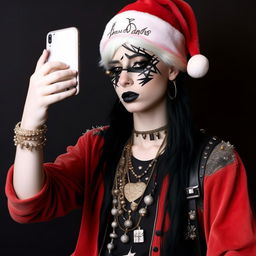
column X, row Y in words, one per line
column 139, row 65
column 115, row 71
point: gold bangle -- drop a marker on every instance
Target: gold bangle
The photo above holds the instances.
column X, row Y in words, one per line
column 30, row 139
column 28, row 133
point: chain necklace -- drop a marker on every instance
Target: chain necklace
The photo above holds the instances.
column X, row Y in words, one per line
column 124, row 189
column 139, row 176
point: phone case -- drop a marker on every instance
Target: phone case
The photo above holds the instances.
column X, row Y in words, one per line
column 63, row 45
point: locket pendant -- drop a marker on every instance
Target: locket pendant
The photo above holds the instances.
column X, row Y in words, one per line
column 133, row 191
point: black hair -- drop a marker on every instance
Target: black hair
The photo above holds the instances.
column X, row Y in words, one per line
column 175, row 163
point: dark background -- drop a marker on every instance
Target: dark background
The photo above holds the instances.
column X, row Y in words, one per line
column 223, row 102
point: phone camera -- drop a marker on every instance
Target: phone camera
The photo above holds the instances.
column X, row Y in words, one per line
column 50, row 39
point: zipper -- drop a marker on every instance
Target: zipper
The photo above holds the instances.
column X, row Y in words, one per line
column 103, row 240
column 149, row 253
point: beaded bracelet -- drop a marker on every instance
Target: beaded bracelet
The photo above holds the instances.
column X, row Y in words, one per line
column 30, row 139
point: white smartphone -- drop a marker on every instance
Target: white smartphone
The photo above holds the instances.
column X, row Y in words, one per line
column 63, row 45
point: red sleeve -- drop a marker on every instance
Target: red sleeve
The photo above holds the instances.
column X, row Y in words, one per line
column 230, row 227
column 62, row 192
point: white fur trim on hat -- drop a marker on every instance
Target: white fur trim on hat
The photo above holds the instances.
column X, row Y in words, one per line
column 150, row 29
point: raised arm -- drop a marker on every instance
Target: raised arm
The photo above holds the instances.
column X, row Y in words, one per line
column 50, row 83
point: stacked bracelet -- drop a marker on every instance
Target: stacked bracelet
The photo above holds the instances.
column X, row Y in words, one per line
column 30, row 139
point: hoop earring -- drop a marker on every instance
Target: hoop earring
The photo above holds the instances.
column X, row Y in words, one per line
column 175, row 90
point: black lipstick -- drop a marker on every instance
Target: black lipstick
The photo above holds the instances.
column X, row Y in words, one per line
column 129, row 96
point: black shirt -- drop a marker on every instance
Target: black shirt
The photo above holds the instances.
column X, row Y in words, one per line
column 147, row 222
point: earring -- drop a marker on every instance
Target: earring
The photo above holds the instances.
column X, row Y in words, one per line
column 175, row 90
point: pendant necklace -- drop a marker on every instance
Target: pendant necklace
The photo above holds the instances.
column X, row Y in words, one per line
column 125, row 193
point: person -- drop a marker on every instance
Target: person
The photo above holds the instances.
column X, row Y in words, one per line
column 130, row 177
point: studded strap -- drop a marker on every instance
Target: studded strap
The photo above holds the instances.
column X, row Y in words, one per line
column 195, row 193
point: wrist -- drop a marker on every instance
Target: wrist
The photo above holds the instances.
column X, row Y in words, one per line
column 32, row 120
column 31, row 123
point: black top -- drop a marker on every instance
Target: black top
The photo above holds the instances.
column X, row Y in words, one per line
column 146, row 224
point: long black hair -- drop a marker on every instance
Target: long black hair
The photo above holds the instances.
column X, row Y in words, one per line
column 175, row 163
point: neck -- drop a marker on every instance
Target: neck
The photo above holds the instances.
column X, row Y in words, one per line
column 147, row 145
column 148, row 121
column 151, row 119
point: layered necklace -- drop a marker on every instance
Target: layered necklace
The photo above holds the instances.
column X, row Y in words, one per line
column 129, row 198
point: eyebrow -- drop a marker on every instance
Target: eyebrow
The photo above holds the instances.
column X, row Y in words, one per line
column 128, row 57
column 133, row 56
column 114, row 62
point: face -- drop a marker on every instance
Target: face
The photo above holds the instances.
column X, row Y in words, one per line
column 139, row 77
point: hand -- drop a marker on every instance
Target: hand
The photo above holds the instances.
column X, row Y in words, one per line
column 50, row 83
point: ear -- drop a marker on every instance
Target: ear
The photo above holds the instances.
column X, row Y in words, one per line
column 173, row 72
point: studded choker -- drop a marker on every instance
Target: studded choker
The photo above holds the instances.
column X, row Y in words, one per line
column 152, row 134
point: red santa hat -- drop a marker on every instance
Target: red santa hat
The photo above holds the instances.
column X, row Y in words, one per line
column 167, row 27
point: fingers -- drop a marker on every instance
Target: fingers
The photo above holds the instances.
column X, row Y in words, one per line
column 60, row 75
column 60, row 86
column 43, row 67
column 42, row 60
column 56, row 97
column 50, row 83
column 51, row 66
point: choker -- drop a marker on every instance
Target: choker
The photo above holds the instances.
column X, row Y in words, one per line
column 152, row 134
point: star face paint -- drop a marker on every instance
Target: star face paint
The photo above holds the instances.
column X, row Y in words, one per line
column 146, row 66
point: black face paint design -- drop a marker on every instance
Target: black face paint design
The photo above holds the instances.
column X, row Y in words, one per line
column 148, row 68
column 114, row 74
column 145, row 67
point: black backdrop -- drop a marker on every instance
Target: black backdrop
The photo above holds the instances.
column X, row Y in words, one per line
column 223, row 102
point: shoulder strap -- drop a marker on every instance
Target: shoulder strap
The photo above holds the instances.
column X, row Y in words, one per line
column 194, row 193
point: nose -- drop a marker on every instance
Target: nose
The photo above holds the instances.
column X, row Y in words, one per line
column 125, row 79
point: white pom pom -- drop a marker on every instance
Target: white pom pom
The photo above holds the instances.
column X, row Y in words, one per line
column 198, row 66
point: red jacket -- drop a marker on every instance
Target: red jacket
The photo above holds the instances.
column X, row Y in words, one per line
column 226, row 219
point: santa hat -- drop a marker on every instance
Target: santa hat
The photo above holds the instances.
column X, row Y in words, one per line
column 166, row 25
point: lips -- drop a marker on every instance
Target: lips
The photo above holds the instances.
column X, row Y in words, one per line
column 129, row 96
